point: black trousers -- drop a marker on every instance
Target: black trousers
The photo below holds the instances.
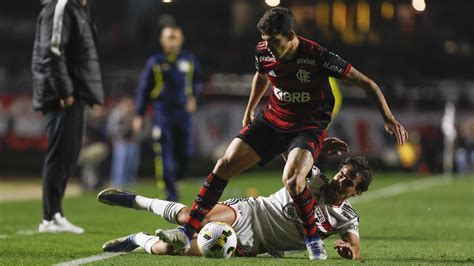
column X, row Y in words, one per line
column 64, row 129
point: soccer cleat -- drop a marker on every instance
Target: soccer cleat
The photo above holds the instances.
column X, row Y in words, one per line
column 315, row 247
column 59, row 224
column 117, row 197
column 48, row 227
column 123, row 244
column 177, row 238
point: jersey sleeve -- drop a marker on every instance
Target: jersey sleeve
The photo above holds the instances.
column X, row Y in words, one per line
column 145, row 85
column 258, row 66
column 56, row 29
column 197, row 78
column 352, row 227
column 333, row 64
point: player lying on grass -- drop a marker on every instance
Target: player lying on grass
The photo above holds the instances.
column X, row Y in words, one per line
column 264, row 224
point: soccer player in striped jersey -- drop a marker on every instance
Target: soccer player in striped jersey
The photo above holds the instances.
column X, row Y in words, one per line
column 264, row 224
column 294, row 122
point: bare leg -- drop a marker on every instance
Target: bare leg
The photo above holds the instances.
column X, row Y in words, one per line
column 297, row 167
column 220, row 213
column 238, row 157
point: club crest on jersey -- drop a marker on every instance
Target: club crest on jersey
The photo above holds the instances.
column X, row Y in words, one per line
column 183, row 65
column 303, row 76
column 291, row 97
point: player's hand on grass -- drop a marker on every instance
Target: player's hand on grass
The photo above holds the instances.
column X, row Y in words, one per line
column 67, row 102
column 393, row 127
column 334, row 146
column 344, row 249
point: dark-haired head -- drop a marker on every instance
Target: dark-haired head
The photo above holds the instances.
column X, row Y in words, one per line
column 277, row 20
column 361, row 168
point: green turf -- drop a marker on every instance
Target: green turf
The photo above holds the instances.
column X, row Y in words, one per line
column 428, row 226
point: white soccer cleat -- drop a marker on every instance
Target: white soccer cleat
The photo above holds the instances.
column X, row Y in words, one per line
column 59, row 224
column 123, row 244
column 176, row 238
column 48, row 227
column 316, row 249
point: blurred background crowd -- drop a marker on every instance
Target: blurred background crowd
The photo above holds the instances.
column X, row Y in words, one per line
column 420, row 52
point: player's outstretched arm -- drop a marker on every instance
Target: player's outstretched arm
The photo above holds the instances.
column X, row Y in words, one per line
column 348, row 247
column 334, row 146
column 375, row 95
column 259, row 85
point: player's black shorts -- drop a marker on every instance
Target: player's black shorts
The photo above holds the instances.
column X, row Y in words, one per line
column 268, row 141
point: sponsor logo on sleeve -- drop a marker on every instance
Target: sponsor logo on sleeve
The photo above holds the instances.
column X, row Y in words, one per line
column 267, row 58
column 319, row 215
column 332, row 67
column 354, row 227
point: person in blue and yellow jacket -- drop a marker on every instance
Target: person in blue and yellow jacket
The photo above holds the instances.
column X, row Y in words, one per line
column 170, row 82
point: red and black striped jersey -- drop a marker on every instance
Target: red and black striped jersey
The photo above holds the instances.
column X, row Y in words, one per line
column 301, row 95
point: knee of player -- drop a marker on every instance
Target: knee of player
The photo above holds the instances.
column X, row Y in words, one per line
column 293, row 185
column 205, row 221
column 223, row 165
column 161, row 248
column 182, row 216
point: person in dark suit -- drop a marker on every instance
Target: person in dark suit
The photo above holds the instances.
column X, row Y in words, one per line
column 66, row 77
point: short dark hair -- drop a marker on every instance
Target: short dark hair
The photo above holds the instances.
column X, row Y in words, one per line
column 361, row 168
column 277, row 20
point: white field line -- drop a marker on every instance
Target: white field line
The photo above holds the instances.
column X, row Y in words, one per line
column 15, row 192
column 90, row 259
column 397, row 189
column 27, row 232
column 21, row 233
column 368, row 196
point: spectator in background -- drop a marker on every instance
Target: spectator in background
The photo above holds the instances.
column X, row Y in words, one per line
column 94, row 149
column 171, row 83
column 464, row 154
column 66, row 77
column 126, row 149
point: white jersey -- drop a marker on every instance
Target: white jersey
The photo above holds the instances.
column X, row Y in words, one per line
column 276, row 226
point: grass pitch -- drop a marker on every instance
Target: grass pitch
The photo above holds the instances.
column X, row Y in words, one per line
column 432, row 225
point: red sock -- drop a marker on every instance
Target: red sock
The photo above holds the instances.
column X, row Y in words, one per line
column 208, row 196
column 304, row 205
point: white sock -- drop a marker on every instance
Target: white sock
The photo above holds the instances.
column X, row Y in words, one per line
column 142, row 203
column 168, row 210
column 146, row 241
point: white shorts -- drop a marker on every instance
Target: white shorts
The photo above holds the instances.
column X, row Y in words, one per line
column 243, row 208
